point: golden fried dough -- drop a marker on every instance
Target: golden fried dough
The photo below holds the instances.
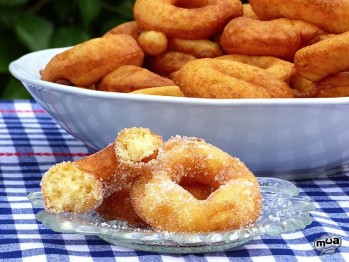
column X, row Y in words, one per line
column 88, row 62
column 330, row 15
column 201, row 48
column 168, row 62
column 280, row 37
column 329, row 56
column 281, row 69
column 130, row 78
column 127, row 28
column 153, row 42
column 160, row 91
column 214, row 78
column 187, row 19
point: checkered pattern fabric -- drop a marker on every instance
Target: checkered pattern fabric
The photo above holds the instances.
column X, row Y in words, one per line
column 30, row 142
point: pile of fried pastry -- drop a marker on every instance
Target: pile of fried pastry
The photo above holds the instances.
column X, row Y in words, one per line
column 217, row 49
column 183, row 184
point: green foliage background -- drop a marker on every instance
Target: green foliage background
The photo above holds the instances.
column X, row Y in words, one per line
column 31, row 25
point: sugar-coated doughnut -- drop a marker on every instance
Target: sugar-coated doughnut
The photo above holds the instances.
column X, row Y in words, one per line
column 161, row 202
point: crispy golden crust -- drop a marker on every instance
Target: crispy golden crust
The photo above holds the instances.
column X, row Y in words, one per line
column 336, row 85
column 128, row 28
column 130, row 78
column 214, row 78
column 153, row 42
column 160, row 201
column 279, row 38
column 281, row 69
column 330, row 15
column 88, row 62
column 199, row 48
column 329, row 56
column 303, row 88
column 186, row 19
column 160, row 91
column 167, row 63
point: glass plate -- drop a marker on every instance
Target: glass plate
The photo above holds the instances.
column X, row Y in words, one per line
column 283, row 212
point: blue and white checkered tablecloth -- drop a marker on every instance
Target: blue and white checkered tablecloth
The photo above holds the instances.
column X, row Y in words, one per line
column 31, row 142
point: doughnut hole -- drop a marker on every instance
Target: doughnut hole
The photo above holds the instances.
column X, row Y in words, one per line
column 68, row 188
column 153, row 42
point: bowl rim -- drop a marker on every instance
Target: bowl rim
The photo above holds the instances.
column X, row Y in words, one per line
column 16, row 68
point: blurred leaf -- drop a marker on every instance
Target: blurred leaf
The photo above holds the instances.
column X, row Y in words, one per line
column 15, row 90
column 8, row 17
column 10, row 50
column 89, row 10
column 34, row 31
column 13, row 2
column 68, row 36
column 63, row 9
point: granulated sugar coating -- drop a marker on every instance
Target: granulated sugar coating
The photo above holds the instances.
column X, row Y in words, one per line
column 160, row 201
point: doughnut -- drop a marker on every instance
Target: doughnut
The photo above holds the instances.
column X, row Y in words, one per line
column 167, row 63
column 217, row 78
column 324, row 58
column 128, row 28
column 280, row 38
column 197, row 19
column 87, row 63
column 153, row 42
column 281, row 69
column 162, row 203
column 330, row 15
column 129, row 78
column 160, row 91
column 81, row 186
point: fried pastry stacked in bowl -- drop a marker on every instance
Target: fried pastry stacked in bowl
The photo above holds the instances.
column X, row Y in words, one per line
column 166, row 35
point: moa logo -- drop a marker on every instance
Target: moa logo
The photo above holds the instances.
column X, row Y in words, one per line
column 327, row 244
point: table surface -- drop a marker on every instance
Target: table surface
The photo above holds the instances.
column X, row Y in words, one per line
column 31, row 142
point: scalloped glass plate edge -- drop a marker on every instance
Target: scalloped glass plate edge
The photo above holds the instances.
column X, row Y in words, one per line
column 284, row 211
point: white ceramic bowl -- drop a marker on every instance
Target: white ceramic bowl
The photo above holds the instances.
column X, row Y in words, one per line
column 287, row 138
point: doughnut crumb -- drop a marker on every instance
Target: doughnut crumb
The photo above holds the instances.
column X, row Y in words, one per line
column 66, row 188
column 137, row 144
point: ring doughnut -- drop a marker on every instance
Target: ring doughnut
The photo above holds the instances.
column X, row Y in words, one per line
column 324, row 58
column 166, row 206
column 197, row 19
column 249, row 36
column 85, row 64
column 330, row 15
column 217, row 78
column 81, row 186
